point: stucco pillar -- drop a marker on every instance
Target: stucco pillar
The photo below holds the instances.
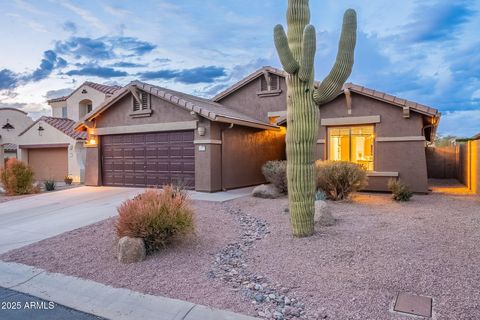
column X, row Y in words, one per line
column 2, row 157
column 93, row 173
column 208, row 154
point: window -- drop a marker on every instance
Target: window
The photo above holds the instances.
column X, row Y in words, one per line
column 64, row 112
column 89, row 108
column 142, row 109
column 354, row 144
column 269, row 85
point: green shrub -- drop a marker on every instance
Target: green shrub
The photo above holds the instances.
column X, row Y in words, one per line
column 275, row 172
column 156, row 216
column 339, row 179
column 17, row 178
column 400, row 191
column 50, row 185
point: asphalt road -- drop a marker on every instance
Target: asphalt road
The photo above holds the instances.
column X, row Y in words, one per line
column 19, row 306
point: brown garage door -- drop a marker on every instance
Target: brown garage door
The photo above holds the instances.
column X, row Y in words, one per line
column 149, row 159
column 49, row 163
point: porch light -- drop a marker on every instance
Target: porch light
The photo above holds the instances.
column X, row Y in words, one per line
column 40, row 130
column 201, row 131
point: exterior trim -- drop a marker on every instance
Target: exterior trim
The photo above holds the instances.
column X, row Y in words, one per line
column 153, row 127
column 207, row 141
column 350, row 120
column 382, row 174
column 246, row 123
column 277, row 114
column 269, row 93
column 321, row 141
column 398, row 139
column 44, row 146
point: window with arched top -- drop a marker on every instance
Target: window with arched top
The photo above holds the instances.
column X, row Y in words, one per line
column 85, row 106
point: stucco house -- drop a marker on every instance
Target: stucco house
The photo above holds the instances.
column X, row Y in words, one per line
column 50, row 145
column 146, row 135
column 12, row 122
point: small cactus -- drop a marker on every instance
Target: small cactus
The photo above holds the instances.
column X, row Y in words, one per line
column 296, row 51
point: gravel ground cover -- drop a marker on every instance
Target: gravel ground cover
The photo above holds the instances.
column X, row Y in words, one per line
column 244, row 259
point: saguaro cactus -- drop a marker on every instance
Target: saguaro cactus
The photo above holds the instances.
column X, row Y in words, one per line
column 297, row 53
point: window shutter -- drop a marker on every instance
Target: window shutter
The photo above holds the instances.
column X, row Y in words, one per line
column 144, row 101
column 136, row 105
column 273, row 82
column 263, row 84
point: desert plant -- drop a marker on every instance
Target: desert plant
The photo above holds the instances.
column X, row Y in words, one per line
column 68, row 180
column 297, row 53
column 339, row 179
column 49, row 185
column 275, row 172
column 156, row 216
column 400, row 191
column 17, row 178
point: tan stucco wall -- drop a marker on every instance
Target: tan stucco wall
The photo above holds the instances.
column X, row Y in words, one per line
column 247, row 101
column 74, row 110
column 245, row 151
column 405, row 157
column 20, row 121
column 57, row 108
column 50, row 135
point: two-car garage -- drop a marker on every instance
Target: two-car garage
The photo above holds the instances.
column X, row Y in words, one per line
column 148, row 159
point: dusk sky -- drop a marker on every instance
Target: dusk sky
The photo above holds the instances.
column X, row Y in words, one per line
column 427, row 51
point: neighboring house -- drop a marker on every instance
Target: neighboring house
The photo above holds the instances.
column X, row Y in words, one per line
column 12, row 122
column 385, row 134
column 150, row 136
column 147, row 135
column 50, row 145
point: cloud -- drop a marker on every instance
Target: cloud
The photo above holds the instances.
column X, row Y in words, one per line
column 86, row 15
column 117, row 11
column 49, row 63
column 103, row 48
column 468, row 119
column 127, row 65
column 8, row 79
column 52, row 94
column 438, row 21
column 97, row 71
column 70, row 26
column 205, row 74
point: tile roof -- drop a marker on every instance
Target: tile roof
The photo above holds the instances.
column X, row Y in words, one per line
column 106, row 89
column 9, row 147
column 67, row 126
column 203, row 107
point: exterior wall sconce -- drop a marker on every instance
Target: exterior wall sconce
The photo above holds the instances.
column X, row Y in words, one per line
column 201, row 131
column 92, row 139
column 40, row 130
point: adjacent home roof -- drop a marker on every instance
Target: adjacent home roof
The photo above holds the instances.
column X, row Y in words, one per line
column 106, row 89
column 64, row 125
column 9, row 147
column 247, row 80
column 203, row 107
column 13, row 109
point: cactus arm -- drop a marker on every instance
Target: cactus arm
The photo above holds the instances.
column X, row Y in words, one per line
column 309, row 47
column 332, row 84
column 290, row 65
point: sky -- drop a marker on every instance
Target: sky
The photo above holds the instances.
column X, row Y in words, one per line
column 427, row 51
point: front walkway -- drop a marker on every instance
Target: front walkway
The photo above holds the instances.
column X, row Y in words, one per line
column 28, row 220
column 101, row 300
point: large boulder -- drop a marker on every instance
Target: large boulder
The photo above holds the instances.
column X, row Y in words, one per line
column 266, row 191
column 131, row 250
column 323, row 216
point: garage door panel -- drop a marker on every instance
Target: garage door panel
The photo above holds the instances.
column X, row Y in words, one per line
column 151, row 159
column 49, row 163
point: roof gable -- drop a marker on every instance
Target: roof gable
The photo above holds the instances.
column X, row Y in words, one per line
column 102, row 88
column 64, row 125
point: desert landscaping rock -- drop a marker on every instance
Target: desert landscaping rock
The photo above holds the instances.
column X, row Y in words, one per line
column 323, row 215
column 266, row 191
column 131, row 250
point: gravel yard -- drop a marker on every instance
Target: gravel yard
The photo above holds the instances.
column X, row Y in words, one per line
column 244, row 259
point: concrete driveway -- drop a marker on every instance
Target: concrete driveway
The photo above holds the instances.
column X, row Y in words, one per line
column 42, row 216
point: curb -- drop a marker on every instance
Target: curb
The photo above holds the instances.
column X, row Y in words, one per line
column 102, row 300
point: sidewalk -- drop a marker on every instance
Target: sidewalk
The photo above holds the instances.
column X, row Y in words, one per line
column 101, row 300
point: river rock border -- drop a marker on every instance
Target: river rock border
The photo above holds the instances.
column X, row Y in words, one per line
column 271, row 301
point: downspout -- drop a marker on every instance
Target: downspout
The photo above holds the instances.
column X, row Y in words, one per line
column 222, row 134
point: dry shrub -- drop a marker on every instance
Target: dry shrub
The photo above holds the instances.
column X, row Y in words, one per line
column 156, row 216
column 400, row 191
column 275, row 172
column 339, row 179
column 17, row 178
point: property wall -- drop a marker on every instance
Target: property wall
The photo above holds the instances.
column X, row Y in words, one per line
column 73, row 102
column 468, row 170
column 405, row 157
column 248, row 102
column 245, row 150
column 52, row 136
column 442, row 162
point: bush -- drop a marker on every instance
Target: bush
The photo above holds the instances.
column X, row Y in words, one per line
column 339, row 179
column 400, row 191
column 50, row 185
column 156, row 216
column 17, row 178
column 275, row 172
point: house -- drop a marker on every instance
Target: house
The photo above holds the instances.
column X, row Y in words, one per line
column 146, row 135
column 12, row 122
column 50, row 145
